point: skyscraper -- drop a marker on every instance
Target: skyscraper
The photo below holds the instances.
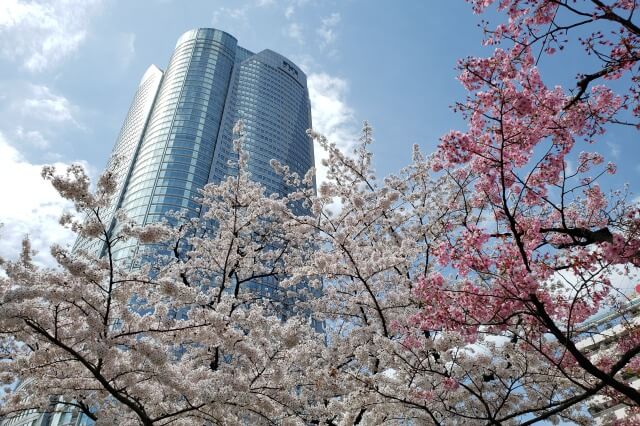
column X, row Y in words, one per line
column 177, row 135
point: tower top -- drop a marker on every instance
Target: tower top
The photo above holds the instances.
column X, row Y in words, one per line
column 205, row 33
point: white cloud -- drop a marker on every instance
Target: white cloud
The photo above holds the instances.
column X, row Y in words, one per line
column 42, row 34
column 294, row 31
column 126, row 49
column 42, row 104
column 570, row 166
column 30, row 206
column 331, row 115
column 292, row 6
column 32, row 137
column 289, row 11
column 614, row 149
column 34, row 115
column 327, row 29
column 239, row 14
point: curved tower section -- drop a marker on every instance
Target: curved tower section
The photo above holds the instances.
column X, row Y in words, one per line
column 179, row 142
column 177, row 150
column 270, row 95
column 126, row 147
column 178, row 134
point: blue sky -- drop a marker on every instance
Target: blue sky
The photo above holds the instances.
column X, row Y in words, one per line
column 69, row 68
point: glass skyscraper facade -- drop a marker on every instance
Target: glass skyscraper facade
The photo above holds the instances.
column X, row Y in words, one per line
column 177, row 135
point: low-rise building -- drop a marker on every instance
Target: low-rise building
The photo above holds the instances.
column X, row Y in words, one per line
column 602, row 333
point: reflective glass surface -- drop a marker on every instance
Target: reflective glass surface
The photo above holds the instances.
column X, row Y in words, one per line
column 177, row 136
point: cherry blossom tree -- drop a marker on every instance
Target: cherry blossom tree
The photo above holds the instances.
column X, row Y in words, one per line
column 606, row 30
column 456, row 291
column 177, row 341
column 393, row 355
column 188, row 339
column 540, row 243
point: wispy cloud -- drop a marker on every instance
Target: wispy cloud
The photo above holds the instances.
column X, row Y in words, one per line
column 238, row 14
column 294, row 31
column 614, row 149
column 291, row 6
column 42, row 104
column 126, row 49
column 327, row 29
column 35, row 214
column 332, row 116
column 32, row 137
column 41, row 35
column 35, row 117
column 289, row 11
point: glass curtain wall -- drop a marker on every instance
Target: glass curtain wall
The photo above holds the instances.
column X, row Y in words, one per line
column 176, row 153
